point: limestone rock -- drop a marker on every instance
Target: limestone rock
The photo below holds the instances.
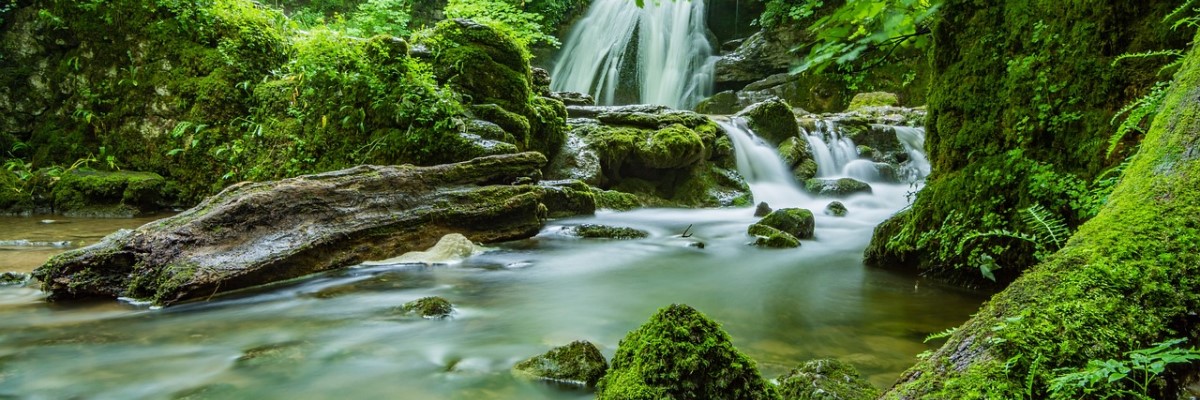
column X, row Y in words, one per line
column 579, row 362
column 767, row 236
column 873, row 99
column 450, row 248
column 256, row 233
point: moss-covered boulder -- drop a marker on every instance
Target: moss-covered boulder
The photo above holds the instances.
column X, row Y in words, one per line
column 579, row 363
column 841, row 187
column 725, row 102
column 680, row 353
column 872, row 99
column 797, row 154
column 771, row 120
column 768, row 236
column 433, row 307
column 825, row 379
column 762, row 209
column 797, row 222
column 91, row 193
column 594, row 231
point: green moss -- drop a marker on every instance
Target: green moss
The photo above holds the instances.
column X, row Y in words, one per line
column 615, row 200
column 608, row 232
column 1127, row 279
column 679, row 353
column 87, row 192
column 768, row 236
column 771, row 120
column 825, row 379
column 1003, row 136
column 578, row 362
column 797, row 222
column 674, row 146
column 428, row 307
column 872, row 99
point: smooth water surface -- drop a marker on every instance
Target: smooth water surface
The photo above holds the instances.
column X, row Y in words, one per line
column 26, row 243
column 338, row 335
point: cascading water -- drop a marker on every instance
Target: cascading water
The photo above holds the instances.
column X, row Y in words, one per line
column 769, row 179
column 913, row 139
column 671, row 62
column 831, row 150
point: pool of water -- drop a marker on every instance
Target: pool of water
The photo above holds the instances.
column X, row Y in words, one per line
column 26, row 243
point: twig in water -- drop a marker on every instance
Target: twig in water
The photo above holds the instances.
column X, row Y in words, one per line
column 685, row 231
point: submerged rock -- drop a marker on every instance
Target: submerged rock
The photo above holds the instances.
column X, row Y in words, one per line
column 13, row 278
column 450, row 248
column 579, row 362
column 607, row 232
column 428, row 307
column 681, row 354
column 836, row 209
column 825, row 379
column 257, row 233
column 797, row 222
column 841, row 187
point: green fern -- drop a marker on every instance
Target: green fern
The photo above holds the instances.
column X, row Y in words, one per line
column 1048, row 226
column 1139, row 111
column 1148, row 54
column 941, row 335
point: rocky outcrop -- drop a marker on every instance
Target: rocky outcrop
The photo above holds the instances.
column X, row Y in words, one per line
column 257, row 233
column 578, row 363
column 663, row 157
column 681, row 354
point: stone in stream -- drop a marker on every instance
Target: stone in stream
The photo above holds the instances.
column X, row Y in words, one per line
column 842, row 187
column 681, row 354
column 825, row 379
column 432, row 307
column 772, row 120
column 762, row 209
column 257, row 233
column 797, row 222
column 13, row 278
column 766, row 236
column 593, row 231
column 836, row 209
column 450, row 248
column 579, row 363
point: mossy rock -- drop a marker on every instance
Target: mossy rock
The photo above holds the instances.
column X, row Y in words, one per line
column 721, row 103
column 797, row 154
column 616, row 200
column 841, row 187
column 433, row 307
column 836, row 209
column 797, row 222
column 772, row 120
column 767, row 236
column 674, row 146
column 90, row 193
column 825, row 379
column 593, row 231
column 579, row 362
column 13, row 278
column 873, row 99
column 762, row 209
column 482, row 62
column 681, row 354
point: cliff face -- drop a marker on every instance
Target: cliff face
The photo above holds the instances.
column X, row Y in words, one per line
column 1126, row 280
column 1020, row 104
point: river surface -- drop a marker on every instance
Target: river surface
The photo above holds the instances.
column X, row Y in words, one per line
column 338, row 334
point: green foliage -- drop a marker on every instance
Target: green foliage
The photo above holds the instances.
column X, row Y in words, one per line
column 940, row 335
column 779, row 12
column 859, row 27
column 1130, row 378
column 378, row 17
column 524, row 27
column 1138, row 113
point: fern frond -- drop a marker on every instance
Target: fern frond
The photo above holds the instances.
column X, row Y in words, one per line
column 1005, row 233
column 1051, row 226
column 941, row 335
column 1178, row 10
column 1147, row 54
column 1140, row 110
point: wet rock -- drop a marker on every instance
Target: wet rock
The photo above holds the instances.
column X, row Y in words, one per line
column 450, row 248
column 873, row 99
column 760, row 55
column 797, row 154
column 256, row 233
column 13, row 278
column 766, row 236
column 797, row 222
column 432, row 307
column 592, row 231
column 772, row 120
column 99, row 194
column 825, row 379
column 881, row 138
column 726, row 102
column 595, row 111
column 681, row 354
column 762, row 209
column 541, row 80
column 836, row 209
column 872, row 171
column 574, row 98
column 842, row 187
column 576, row 160
column 579, row 363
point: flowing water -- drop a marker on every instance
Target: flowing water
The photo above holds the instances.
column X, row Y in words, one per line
column 660, row 52
column 26, row 243
column 337, row 335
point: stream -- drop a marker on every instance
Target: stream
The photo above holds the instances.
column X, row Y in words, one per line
column 339, row 335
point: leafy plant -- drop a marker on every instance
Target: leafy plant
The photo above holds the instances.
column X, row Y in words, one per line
column 1047, row 234
column 376, row 17
column 524, row 27
column 940, row 335
column 1130, row 378
column 1139, row 113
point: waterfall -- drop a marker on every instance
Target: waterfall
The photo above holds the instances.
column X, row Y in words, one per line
column 671, row 63
column 831, row 150
column 913, row 139
column 769, row 178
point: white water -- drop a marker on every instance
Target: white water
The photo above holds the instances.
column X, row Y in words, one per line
column 913, row 139
column 673, row 60
column 769, row 179
column 831, row 150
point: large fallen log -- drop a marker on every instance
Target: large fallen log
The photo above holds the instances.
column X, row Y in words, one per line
column 256, row 233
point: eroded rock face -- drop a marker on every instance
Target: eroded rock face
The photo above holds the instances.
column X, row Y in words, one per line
column 579, row 362
column 256, row 233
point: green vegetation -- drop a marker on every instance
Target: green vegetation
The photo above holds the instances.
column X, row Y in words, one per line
column 578, row 362
column 825, row 379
